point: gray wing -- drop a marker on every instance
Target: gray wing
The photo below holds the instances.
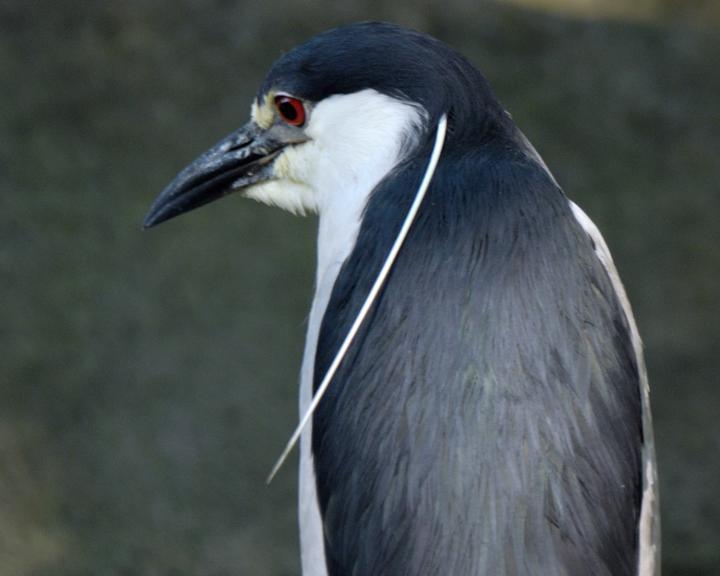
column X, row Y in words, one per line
column 477, row 448
column 649, row 528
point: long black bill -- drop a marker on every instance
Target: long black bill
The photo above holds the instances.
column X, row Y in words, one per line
column 241, row 159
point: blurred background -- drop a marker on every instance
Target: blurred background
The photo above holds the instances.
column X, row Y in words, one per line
column 148, row 380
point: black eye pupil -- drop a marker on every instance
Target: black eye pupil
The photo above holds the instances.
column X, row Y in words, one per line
column 288, row 111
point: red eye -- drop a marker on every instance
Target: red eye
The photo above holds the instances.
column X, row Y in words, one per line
column 291, row 110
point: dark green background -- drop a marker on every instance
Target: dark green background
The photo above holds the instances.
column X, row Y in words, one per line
column 148, row 379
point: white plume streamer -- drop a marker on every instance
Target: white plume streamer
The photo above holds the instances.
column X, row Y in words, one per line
column 372, row 295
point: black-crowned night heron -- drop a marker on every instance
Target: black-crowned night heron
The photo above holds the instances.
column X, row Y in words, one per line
column 489, row 412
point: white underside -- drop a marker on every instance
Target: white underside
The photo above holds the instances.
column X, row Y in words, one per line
column 312, row 544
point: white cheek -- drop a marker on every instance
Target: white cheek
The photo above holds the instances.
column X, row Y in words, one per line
column 355, row 140
column 358, row 139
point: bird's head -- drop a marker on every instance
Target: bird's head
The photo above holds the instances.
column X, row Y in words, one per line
column 334, row 116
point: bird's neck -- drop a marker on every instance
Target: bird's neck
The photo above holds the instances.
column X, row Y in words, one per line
column 341, row 206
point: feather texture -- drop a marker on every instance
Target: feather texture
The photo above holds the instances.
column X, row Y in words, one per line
column 488, row 420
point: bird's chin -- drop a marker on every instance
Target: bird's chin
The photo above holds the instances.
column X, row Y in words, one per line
column 295, row 197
